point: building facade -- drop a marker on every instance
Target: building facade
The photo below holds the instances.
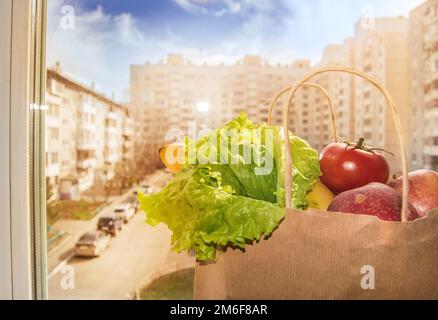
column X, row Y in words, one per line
column 382, row 52
column 170, row 94
column 424, row 84
column 88, row 135
column 341, row 88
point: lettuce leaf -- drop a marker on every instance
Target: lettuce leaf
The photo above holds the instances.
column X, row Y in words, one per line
column 203, row 214
column 219, row 200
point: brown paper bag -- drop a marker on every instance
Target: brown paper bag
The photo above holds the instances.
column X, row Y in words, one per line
column 328, row 255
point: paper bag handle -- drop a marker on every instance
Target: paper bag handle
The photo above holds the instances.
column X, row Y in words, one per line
column 274, row 100
column 396, row 118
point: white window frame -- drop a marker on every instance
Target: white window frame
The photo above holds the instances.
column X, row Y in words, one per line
column 22, row 190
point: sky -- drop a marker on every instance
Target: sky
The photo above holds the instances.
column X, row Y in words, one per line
column 97, row 40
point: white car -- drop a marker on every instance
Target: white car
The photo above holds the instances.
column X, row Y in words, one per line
column 92, row 244
column 124, row 211
column 147, row 189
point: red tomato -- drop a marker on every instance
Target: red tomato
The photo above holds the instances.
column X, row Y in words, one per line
column 345, row 167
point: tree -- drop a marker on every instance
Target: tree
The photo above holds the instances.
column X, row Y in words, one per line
column 109, row 188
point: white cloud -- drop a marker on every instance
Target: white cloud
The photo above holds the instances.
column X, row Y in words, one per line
column 191, row 6
column 216, row 7
column 233, row 6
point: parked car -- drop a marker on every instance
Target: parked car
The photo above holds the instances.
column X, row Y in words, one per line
column 133, row 201
column 111, row 224
column 147, row 188
column 92, row 244
column 124, row 212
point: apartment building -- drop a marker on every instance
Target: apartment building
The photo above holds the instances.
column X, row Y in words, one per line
column 87, row 135
column 253, row 81
column 341, row 88
column 423, row 44
column 169, row 94
column 382, row 52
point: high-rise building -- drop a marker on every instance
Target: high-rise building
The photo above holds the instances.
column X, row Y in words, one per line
column 88, row 134
column 254, row 81
column 423, row 46
column 341, row 88
column 382, row 51
column 169, row 94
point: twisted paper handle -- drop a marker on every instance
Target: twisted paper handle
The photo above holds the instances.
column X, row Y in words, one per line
column 390, row 104
column 313, row 85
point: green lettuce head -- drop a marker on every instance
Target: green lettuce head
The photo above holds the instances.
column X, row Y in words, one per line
column 231, row 189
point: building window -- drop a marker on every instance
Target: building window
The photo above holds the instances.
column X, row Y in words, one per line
column 54, row 133
column 53, row 158
column 366, row 95
column 53, row 110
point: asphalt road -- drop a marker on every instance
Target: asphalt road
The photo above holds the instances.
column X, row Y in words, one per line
column 138, row 251
column 75, row 228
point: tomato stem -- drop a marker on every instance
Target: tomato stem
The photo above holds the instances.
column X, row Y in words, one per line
column 361, row 145
column 383, row 150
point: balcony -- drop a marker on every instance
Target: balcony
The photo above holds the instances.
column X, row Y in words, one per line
column 52, row 170
column 86, row 145
column 127, row 155
column 52, row 122
column 128, row 144
column 111, row 129
column 112, row 158
column 88, row 126
column 431, row 150
column 87, row 163
column 112, row 144
column 88, row 108
column 85, row 182
column 128, row 131
column 432, row 95
column 433, row 113
column 110, row 174
column 431, row 132
column 112, row 115
column 50, row 98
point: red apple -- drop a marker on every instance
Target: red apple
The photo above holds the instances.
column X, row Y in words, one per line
column 423, row 190
column 375, row 199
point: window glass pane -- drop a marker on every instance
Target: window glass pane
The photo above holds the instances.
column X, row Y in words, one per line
column 126, row 78
column 99, row 153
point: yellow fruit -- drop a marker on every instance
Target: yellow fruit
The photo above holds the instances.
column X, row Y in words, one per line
column 320, row 196
column 172, row 155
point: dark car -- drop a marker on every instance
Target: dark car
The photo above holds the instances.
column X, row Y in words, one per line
column 133, row 201
column 92, row 244
column 110, row 224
